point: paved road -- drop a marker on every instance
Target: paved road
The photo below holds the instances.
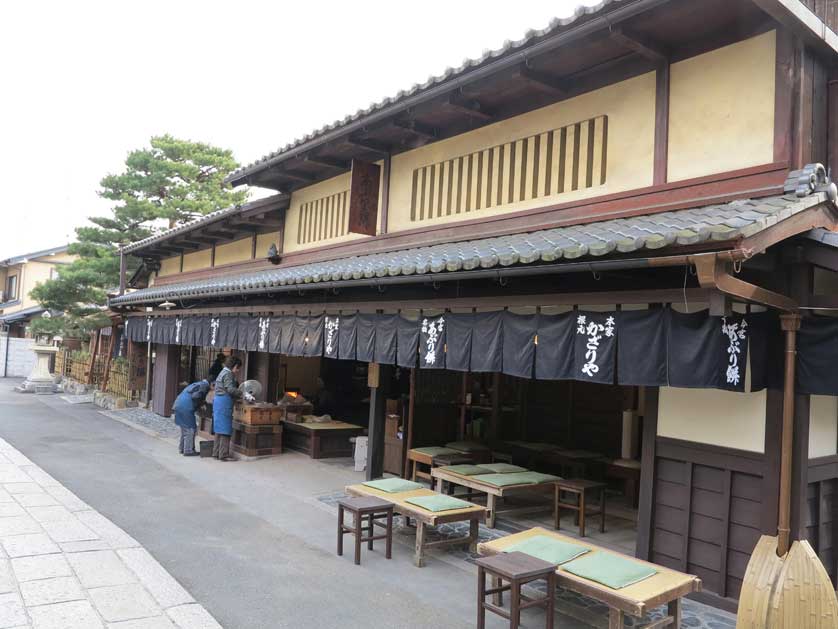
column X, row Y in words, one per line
column 246, row 539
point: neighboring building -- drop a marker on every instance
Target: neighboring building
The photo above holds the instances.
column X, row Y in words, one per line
column 18, row 276
column 654, row 168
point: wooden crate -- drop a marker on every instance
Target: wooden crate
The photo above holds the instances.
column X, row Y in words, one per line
column 256, row 415
column 295, row 412
column 251, row 440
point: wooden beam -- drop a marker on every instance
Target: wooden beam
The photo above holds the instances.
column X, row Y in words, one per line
column 643, row 46
column 469, row 107
column 338, row 164
column 661, row 160
column 417, row 129
column 541, row 81
column 411, row 406
column 294, row 176
column 368, row 145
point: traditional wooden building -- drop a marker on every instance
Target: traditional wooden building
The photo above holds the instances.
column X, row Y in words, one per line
column 589, row 237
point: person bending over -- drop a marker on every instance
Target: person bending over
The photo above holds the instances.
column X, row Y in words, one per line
column 185, row 407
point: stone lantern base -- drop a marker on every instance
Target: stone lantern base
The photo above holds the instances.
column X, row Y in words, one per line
column 40, row 380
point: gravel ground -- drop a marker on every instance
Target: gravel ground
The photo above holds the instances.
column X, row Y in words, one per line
column 162, row 426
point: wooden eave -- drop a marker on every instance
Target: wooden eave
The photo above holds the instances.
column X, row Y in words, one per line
column 538, row 75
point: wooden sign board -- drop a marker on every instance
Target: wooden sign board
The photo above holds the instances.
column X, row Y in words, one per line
column 363, row 197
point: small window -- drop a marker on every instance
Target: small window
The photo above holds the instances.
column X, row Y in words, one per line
column 53, row 273
column 11, row 288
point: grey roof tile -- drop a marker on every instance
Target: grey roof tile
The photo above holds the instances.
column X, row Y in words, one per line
column 624, row 235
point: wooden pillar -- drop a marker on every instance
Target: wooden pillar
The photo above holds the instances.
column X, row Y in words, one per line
column 661, row 160
column 379, row 377
column 94, row 348
column 165, row 378
column 461, row 431
column 385, row 194
column 647, row 474
column 122, row 270
column 411, row 410
column 107, row 371
column 496, row 408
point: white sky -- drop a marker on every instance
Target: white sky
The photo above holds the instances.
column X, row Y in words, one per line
column 82, row 83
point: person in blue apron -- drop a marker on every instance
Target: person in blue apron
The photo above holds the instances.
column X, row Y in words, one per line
column 226, row 393
column 185, row 406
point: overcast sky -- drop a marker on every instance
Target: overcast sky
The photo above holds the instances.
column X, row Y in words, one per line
column 82, row 83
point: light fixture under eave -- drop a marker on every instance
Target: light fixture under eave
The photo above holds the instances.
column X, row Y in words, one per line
column 167, row 305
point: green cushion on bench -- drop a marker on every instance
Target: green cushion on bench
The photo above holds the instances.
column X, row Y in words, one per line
column 434, row 451
column 468, row 446
column 440, row 502
column 465, row 469
column 549, row 549
column 610, row 570
column 393, row 485
column 501, row 468
column 515, row 478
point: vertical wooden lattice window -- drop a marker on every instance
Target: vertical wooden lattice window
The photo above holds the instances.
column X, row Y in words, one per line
column 324, row 218
column 554, row 162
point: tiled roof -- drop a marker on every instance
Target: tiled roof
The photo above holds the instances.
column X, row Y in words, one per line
column 651, row 232
column 35, row 254
column 185, row 227
column 509, row 48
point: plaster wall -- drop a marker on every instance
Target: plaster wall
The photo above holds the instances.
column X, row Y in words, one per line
column 823, row 425
column 721, row 110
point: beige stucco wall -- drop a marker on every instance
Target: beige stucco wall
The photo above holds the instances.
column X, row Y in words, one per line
column 630, row 107
column 299, row 197
column 720, row 418
column 197, row 260
column 34, row 273
column 823, row 425
column 721, row 111
column 169, row 266
column 236, row 251
column 263, row 243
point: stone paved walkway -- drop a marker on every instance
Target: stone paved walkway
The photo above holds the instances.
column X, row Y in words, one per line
column 65, row 566
column 146, row 420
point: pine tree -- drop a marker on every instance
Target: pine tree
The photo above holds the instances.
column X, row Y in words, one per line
column 170, row 183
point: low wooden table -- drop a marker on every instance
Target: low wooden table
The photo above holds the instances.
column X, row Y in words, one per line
column 492, row 492
column 628, row 471
column 580, row 487
column 417, row 458
column 321, row 440
column 667, row 587
column 473, row 515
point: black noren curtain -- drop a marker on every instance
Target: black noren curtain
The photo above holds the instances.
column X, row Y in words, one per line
column 518, row 344
column 487, row 351
column 458, row 338
column 286, row 340
column 386, row 338
column 432, row 342
column 331, row 335
column 365, row 347
column 407, row 342
column 298, row 340
column 275, row 335
column 641, row 348
column 348, row 337
column 314, row 346
column 817, row 351
column 595, row 347
column 554, row 352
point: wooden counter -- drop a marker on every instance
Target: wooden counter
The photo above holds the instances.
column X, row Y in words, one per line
column 321, row 440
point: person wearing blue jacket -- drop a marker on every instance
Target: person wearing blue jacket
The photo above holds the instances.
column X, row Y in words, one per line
column 185, row 406
column 226, row 393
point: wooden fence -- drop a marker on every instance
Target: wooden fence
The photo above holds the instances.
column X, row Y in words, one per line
column 76, row 365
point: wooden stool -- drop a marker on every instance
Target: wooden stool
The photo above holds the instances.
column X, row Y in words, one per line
column 517, row 569
column 580, row 487
column 372, row 509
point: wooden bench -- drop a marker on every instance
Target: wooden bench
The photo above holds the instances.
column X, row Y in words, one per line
column 492, row 492
column 321, row 440
column 667, row 587
column 424, row 518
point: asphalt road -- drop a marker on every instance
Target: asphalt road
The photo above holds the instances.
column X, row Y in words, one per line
column 247, row 539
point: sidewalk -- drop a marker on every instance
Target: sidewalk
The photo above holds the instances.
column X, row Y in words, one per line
column 64, row 565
